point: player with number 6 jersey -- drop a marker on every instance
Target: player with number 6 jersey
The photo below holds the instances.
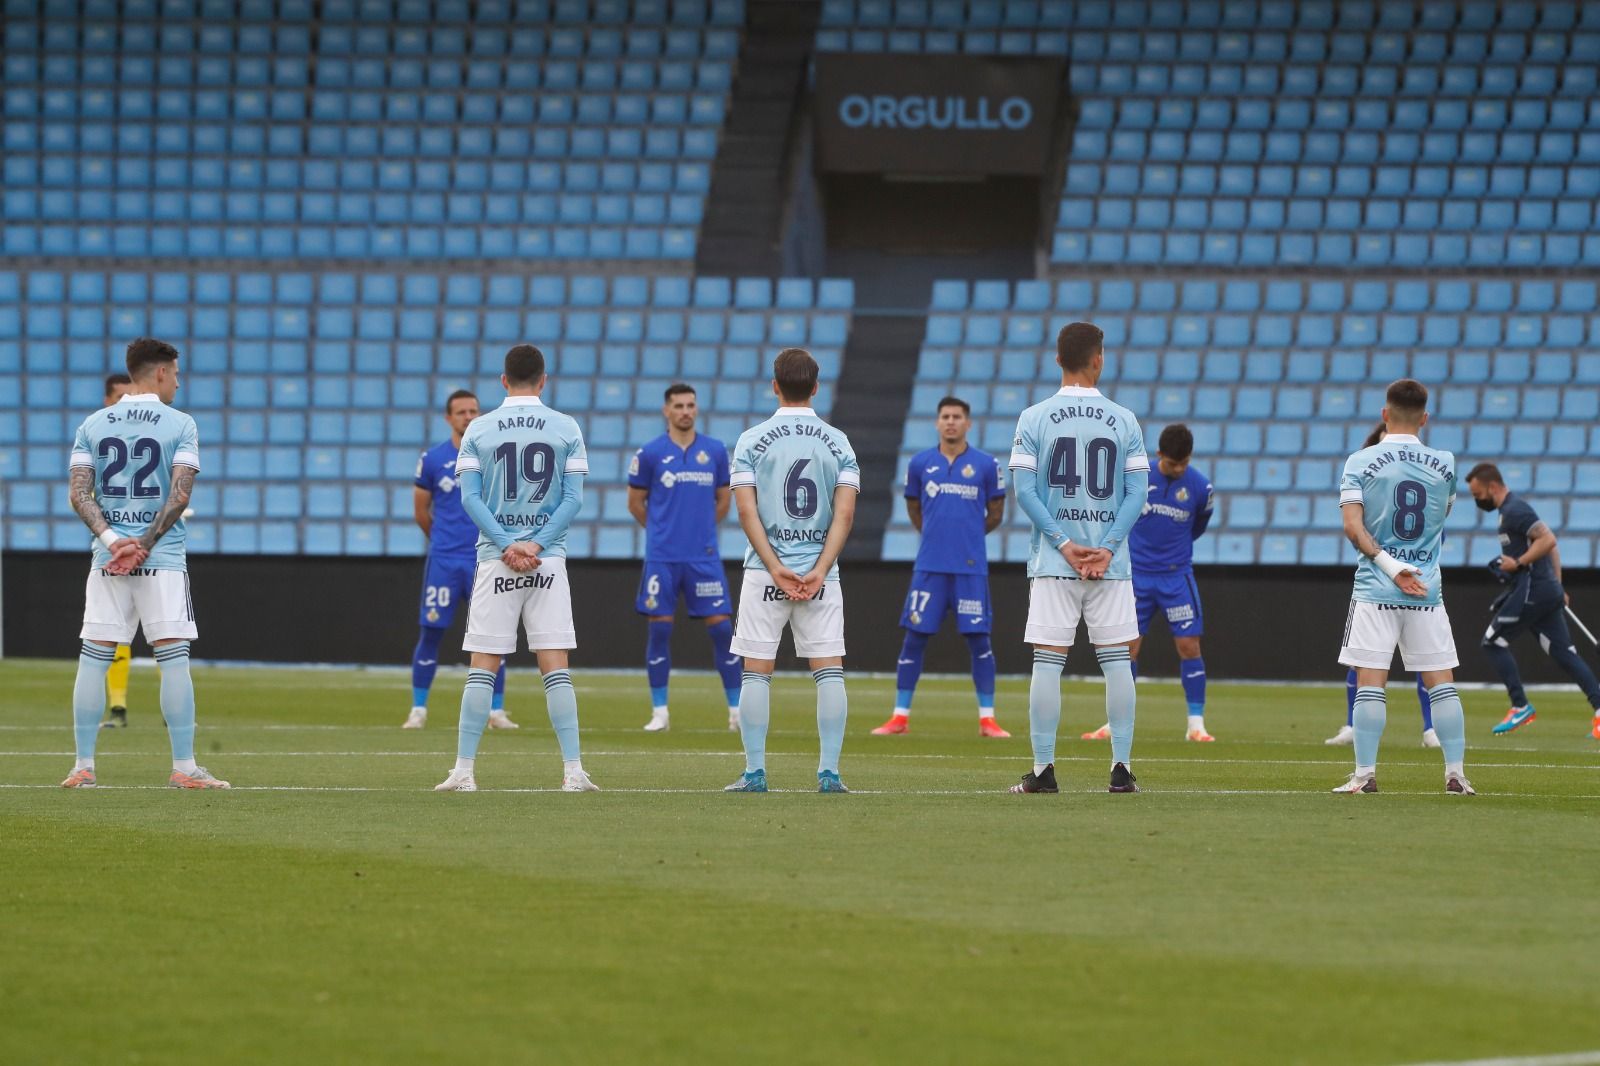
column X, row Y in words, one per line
column 133, row 468
column 1079, row 469
column 795, row 479
column 1395, row 497
column 521, row 469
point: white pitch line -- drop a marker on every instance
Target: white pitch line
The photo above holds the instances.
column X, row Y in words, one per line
column 1575, row 1058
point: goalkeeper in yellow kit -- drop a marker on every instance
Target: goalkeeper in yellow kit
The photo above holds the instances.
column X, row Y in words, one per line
column 117, row 676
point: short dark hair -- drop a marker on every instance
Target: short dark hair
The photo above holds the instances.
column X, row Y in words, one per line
column 1376, row 436
column 677, row 388
column 524, row 365
column 113, row 380
column 1176, row 442
column 954, row 401
column 147, row 352
column 459, row 394
column 1077, row 343
column 1407, row 396
column 1488, row 473
column 796, row 374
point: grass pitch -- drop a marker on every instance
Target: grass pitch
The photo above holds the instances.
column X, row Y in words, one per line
column 332, row 908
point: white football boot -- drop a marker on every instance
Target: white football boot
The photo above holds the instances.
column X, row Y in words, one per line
column 578, row 781
column 500, row 720
column 660, row 721
column 733, row 719
column 458, row 781
column 417, row 718
column 1430, row 739
column 1345, row 735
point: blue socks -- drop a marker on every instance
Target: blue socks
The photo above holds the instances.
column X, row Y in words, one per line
column 1371, row 710
column 1450, row 723
column 908, row 669
column 177, row 699
column 1192, row 672
column 89, row 697
column 497, row 702
column 475, row 700
column 833, row 707
column 729, row 665
column 982, row 672
column 1117, row 666
column 561, row 703
column 658, row 661
column 425, row 664
column 1044, row 706
column 755, row 713
column 1426, row 701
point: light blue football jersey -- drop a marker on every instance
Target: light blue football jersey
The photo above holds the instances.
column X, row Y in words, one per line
column 794, row 460
column 132, row 447
column 525, row 451
column 1405, row 490
column 1081, row 444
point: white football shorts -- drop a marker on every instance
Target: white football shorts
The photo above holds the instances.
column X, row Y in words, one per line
column 114, row 608
column 540, row 600
column 1055, row 604
column 764, row 609
column 1372, row 631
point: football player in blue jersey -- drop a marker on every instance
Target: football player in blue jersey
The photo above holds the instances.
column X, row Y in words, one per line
column 678, row 491
column 133, row 468
column 1079, row 469
column 452, row 558
column 1177, row 510
column 1534, row 600
column 955, row 495
column 1395, row 497
column 1347, row 733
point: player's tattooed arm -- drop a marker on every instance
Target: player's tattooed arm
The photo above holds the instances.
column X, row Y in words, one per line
column 995, row 515
column 81, row 492
column 1355, row 530
column 172, row 510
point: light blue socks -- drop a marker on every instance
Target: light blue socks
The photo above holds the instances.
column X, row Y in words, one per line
column 1450, row 723
column 833, row 707
column 177, row 700
column 755, row 714
column 561, row 704
column 1368, row 716
column 89, row 697
column 475, row 700
column 1117, row 666
column 1044, row 706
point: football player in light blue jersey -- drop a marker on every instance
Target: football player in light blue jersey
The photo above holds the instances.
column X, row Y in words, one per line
column 1079, row 469
column 1395, row 497
column 795, row 480
column 133, row 470
column 521, row 471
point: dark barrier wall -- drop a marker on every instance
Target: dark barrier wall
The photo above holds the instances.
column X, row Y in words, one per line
column 1261, row 622
column 946, row 116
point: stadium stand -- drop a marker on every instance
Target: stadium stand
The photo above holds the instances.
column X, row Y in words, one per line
column 208, row 129
column 314, row 393
column 1281, row 379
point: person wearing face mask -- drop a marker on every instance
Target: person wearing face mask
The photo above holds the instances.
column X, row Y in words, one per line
column 1534, row 602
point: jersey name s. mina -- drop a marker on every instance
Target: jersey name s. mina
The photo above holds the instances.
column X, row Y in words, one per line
column 525, row 451
column 1163, row 539
column 132, row 447
column 453, row 530
column 1081, row 443
column 1405, row 490
column 794, row 460
column 955, row 495
column 681, row 509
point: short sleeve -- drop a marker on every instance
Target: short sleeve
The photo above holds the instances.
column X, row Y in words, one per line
column 1210, row 494
column 639, row 470
column 187, row 453
column 722, row 466
column 742, row 470
column 914, row 479
column 1025, row 447
column 849, row 469
column 82, row 450
column 1134, row 458
column 577, row 455
column 422, row 480
column 1519, row 519
column 997, row 481
column 467, row 459
column 1350, row 483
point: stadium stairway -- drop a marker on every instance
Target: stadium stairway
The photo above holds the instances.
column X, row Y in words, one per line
column 744, row 208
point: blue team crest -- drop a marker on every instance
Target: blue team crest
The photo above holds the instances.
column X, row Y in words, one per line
column 701, row 457
column 966, row 471
column 1182, row 495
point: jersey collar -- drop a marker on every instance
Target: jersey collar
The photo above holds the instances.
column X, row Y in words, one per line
column 1400, row 438
column 143, row 397
column 1077, row 390
column 793, row 411
column 522, row 401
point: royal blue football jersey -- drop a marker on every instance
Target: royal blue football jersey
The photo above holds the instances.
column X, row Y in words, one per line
column 1163, row 539
column 453, row 530
column 955, row 495
column 681, row 508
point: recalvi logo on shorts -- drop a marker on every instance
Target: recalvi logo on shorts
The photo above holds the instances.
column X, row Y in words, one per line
column 524, row 581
